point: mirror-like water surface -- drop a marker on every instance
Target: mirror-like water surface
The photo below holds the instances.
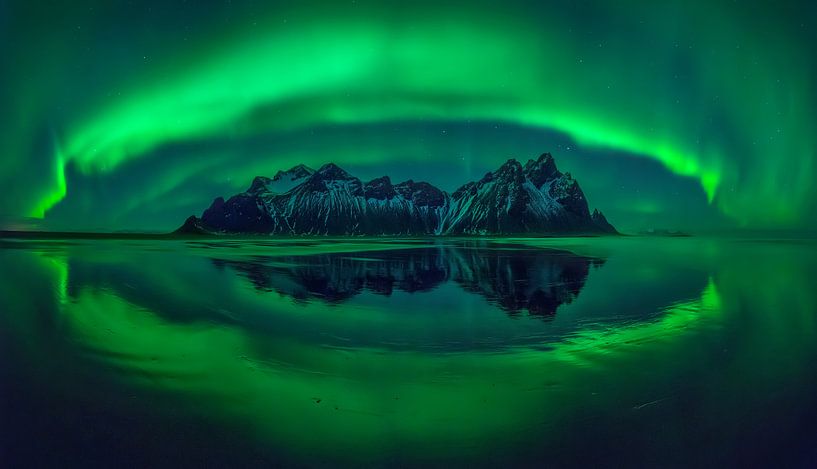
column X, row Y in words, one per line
column 408, row 352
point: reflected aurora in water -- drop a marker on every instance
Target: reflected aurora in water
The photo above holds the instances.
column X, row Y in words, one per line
column 309, row 395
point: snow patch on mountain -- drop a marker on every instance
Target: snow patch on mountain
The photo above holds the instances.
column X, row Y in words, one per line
column 536, row 198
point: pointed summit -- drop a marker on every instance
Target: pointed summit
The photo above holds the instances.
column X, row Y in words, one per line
column 422, row 194
column 260, row 183
column 541, row 170
column 510, row 166
column 282, row 182
column 510, row 173
column 379, row 188
column 331, row 171
column 299, row 171
column 601, row 222
column 513, row 199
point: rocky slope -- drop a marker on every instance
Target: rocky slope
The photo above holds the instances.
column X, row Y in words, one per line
column 532, row 199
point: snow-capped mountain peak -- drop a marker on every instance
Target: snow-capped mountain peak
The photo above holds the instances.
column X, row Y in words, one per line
column 513, row 199
column 282, row 182
column 333, row 171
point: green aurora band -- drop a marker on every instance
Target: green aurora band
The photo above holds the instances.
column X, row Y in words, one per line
column 717, row 93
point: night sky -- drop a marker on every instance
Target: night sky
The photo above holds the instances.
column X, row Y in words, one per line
column 680, row 115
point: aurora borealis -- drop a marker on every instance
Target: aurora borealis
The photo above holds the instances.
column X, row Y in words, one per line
column 671, row 114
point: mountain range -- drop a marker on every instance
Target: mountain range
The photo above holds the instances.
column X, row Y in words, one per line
column 532, row 199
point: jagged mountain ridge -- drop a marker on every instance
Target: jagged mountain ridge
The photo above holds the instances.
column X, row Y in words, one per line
column 534, row 199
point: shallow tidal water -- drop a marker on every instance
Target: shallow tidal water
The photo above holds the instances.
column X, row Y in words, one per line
column 366, row 352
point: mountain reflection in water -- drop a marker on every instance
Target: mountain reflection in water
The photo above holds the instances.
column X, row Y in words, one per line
column 407, row 352
column 536, row 281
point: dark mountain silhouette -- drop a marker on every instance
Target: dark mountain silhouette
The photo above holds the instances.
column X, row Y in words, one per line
column 532, row 199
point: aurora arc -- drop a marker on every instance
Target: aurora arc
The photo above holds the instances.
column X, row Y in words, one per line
column 209, row 100
column 305, row 68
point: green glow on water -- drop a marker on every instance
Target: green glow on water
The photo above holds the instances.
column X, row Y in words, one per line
column 310, row 380
column 421, row 394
